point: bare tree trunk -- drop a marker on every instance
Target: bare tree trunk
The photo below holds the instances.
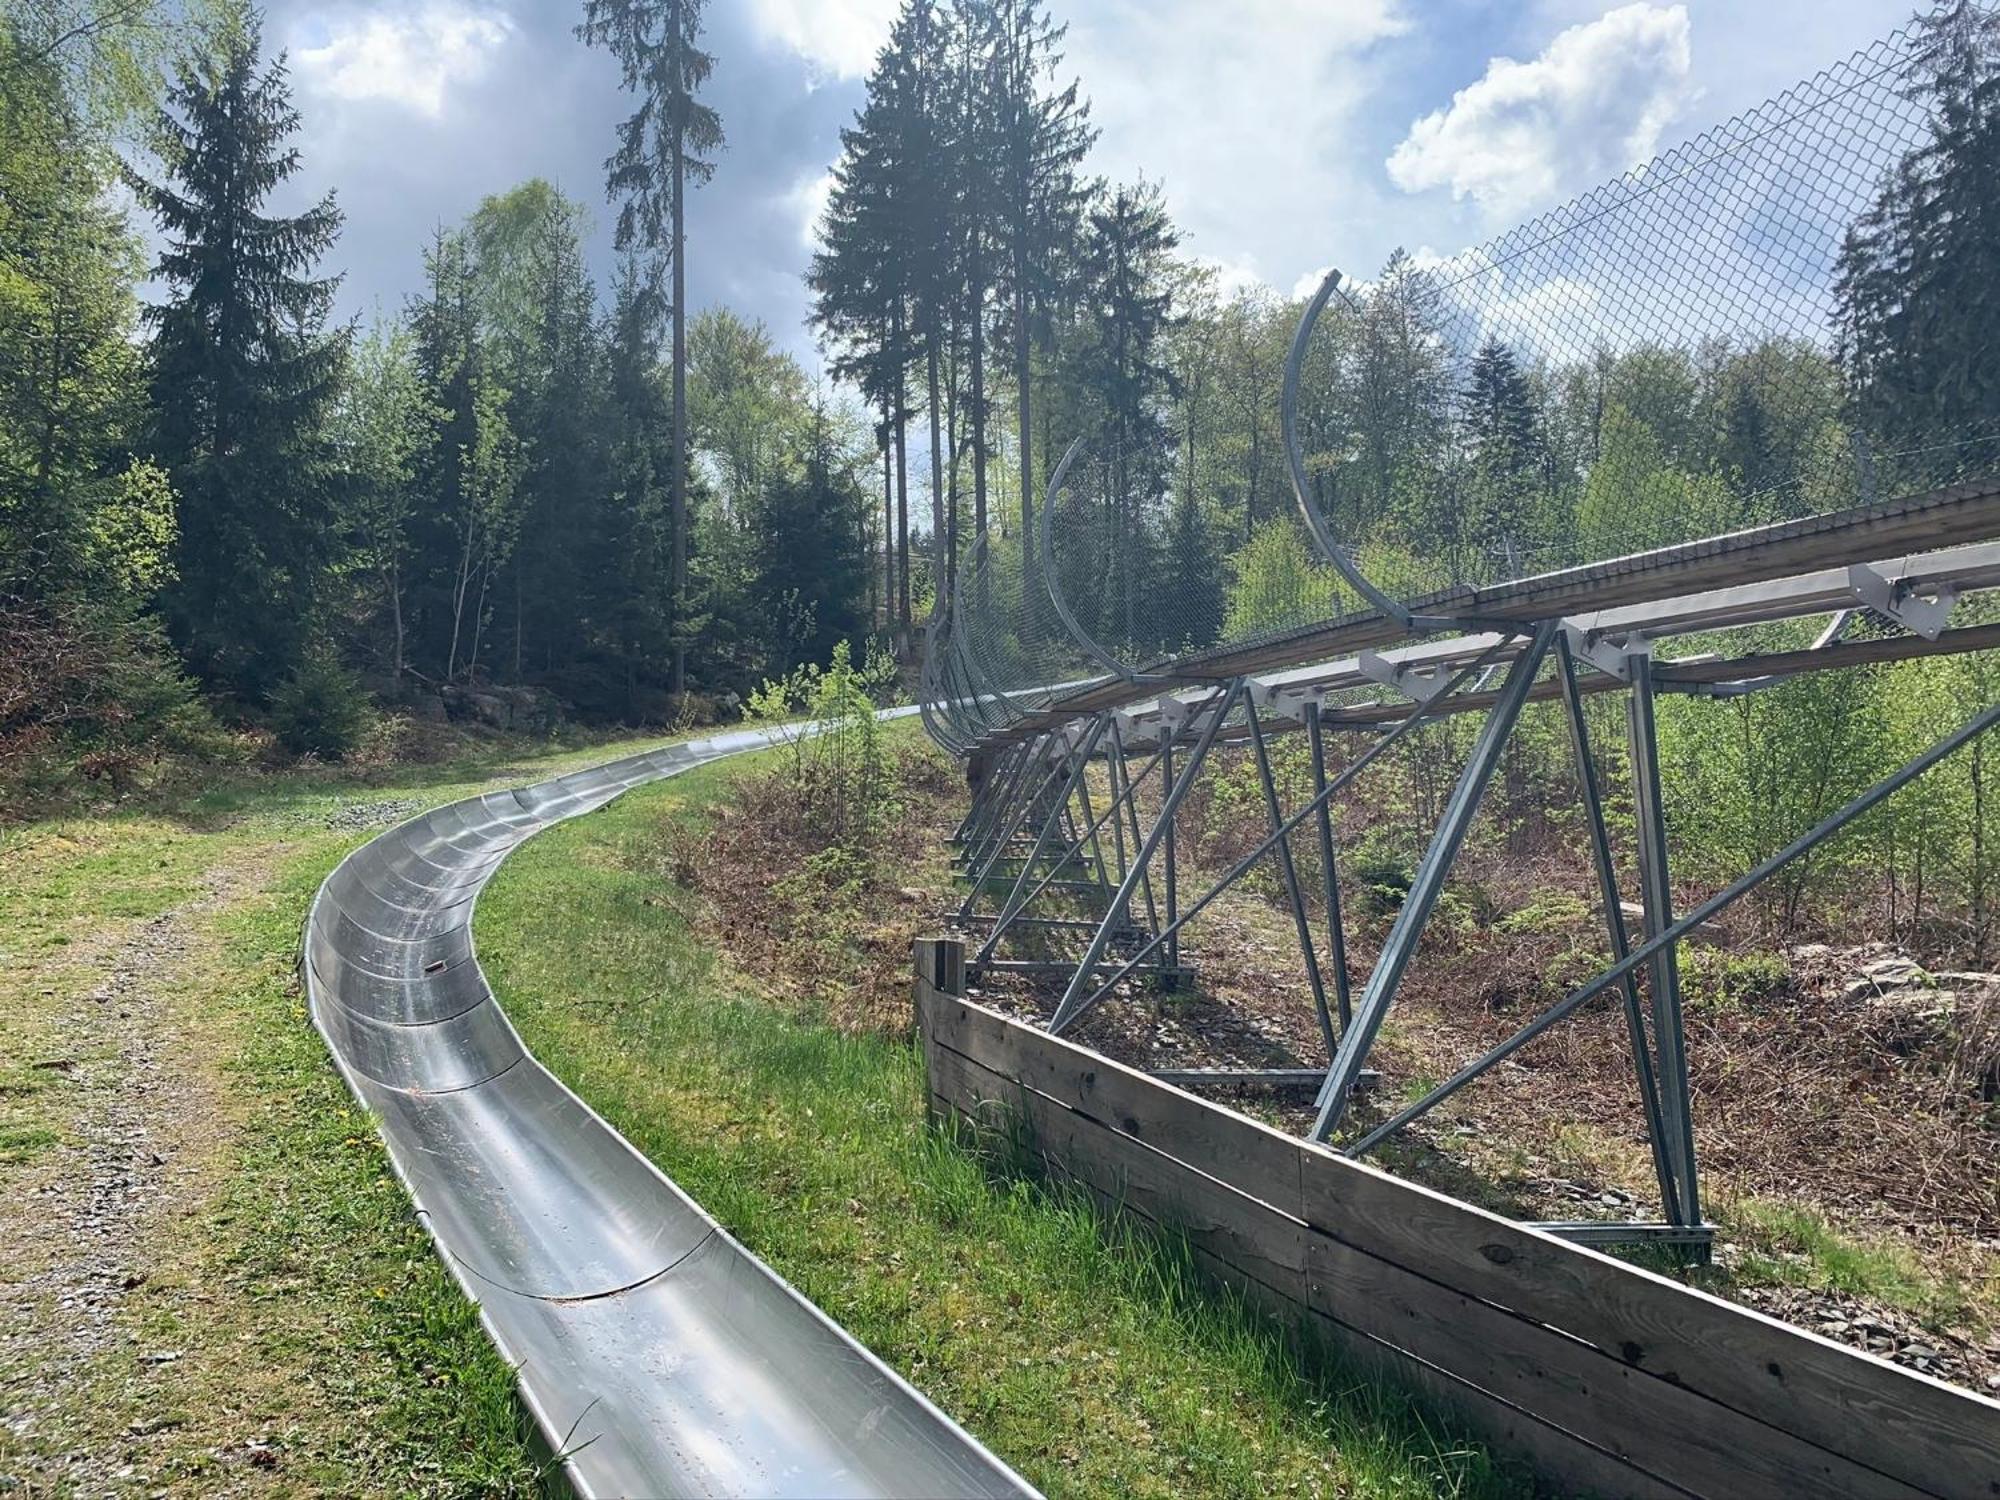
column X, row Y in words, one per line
column 396, row 616
column 678, row 503
column 937, row 459
column 888, row 516
column 903, row 500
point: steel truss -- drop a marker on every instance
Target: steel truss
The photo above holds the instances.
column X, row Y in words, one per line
column 1071, row 839
column 1074, row 869
column 1085, row 733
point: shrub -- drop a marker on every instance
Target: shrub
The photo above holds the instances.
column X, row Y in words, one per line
column 93, row 695
column 844, row 781
column 321, row 708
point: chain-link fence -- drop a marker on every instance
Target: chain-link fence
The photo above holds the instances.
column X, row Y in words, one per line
column 1793, row 315
column 1789, row 316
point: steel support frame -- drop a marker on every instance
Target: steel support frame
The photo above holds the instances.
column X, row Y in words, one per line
column 1671, row 933
column 1428, row 884
column 1074, row 1003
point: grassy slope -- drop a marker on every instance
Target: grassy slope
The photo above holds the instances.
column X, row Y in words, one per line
column 1089, row 1362
column 289, row 1329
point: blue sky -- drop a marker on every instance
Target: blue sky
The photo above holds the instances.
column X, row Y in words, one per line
column 1289, row 134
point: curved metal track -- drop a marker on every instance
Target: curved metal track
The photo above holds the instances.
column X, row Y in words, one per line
column 657, row 1354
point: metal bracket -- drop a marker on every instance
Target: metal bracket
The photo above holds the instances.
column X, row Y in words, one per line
column 1419, row 684
column 1288, row 704
column 1610, row 656
column 1921, row 615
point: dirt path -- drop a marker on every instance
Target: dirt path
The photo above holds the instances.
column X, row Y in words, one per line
column 85, row 1227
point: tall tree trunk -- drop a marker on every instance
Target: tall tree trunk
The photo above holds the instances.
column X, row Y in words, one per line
column 951, row 420
column 903, row 498
column 888, row 515
column 1021, row 417
column 937, row 458
column 678, row 504
column 978, row 311
column 396, row 616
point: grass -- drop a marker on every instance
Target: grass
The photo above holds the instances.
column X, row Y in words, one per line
column 286, row 1327
column 1088, row 1358
column 1789, row 1244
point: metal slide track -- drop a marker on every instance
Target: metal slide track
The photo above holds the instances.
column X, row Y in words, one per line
column 657, row 1354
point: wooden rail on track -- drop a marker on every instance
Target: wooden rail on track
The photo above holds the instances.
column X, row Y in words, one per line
column 1609, row 1379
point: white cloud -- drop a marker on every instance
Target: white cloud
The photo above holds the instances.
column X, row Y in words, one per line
column 840, row 36
column 411, row 59
column 1592, row 105
column 808, row 198
column 1246, row 113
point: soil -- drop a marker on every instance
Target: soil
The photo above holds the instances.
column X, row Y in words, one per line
column 81, row 1229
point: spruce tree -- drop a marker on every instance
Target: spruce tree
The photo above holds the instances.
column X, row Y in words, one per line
column 669, row 141
column 245, row 372
column 1044, row 133
column 1919, row 275
column 862, row 279
column 1503, row 438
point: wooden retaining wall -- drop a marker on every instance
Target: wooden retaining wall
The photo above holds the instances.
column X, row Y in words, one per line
column 1611, row 1380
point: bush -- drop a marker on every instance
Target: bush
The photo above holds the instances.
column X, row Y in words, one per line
column 321, row 709
column 93, row 695
column 844, row 781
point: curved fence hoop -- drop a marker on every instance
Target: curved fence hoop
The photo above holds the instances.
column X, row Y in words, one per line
column 1288, row 417
column 1046, row 526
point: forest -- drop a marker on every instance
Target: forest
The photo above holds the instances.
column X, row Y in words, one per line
column 229, row 520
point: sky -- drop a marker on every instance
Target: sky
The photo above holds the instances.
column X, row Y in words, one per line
column 1288, row 135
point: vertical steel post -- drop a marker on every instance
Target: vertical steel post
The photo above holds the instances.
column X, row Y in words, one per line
column 1335, row 925
column 1004, row 833
column 1017, row 897
column 1004, row 788
column 1656, row 890
column 1352, row 1055
column 1614, row 926
column 1172, row 881
column 1126, row 797
column 1122, row 899
column 1289, row 869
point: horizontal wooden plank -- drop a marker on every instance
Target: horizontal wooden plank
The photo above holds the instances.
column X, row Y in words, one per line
column 1567, row 1464
column 1668, row 1431
column 1658, row 1427
column 1125, row 1177
column 1233, row 1148
column 1928, row 1434
column 1238, row 1230
column 1922, row 1431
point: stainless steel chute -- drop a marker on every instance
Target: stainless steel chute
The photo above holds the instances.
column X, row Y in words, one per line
column 658, row 1355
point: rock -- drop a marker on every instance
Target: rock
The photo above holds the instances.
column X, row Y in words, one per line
column 1967, row 980
column 1896, row 972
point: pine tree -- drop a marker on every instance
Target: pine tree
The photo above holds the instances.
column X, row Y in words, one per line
column 1126, row 255
column 245, row 372
column 636, row 541
column 1502, row 427
column 538, row 320
column 863, row 277
column 668, row 141
column 1919, row 276
column 1044, row 135
column 444, row 330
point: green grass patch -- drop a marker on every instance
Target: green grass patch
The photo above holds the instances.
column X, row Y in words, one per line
column 1788, row 1244
column 290, row 1325
column 1089, row 1358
